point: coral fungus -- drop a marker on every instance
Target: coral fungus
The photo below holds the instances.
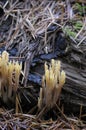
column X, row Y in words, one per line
column 52, row 83
column 9, row 76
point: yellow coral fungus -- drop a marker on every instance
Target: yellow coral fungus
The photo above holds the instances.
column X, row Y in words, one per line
column 52, row 83
column 5, row 56
column 9, row 76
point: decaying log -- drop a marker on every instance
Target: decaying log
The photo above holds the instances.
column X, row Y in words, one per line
column 74, row 91
column 74, row 64
column 75, row 87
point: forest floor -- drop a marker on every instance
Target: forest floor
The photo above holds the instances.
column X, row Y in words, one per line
column 33, row 32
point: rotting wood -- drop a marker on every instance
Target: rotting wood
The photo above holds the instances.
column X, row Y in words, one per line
column 31, row 51
column 75, row 87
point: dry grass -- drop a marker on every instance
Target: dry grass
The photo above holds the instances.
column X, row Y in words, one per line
column 28, row 122
column 31, row 19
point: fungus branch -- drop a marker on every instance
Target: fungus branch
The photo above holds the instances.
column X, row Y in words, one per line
column 52, row 83
column 9, row 76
